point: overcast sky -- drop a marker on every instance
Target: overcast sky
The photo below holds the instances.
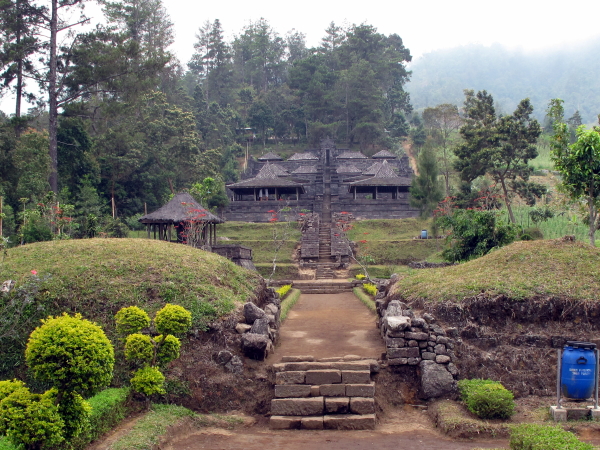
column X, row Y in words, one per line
column 423, row 25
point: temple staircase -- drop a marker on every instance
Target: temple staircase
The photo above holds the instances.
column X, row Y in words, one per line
column 331, row 393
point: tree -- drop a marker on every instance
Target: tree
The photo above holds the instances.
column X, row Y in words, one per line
column 474, row 233
column 579, row 164
column 500, row 147
column 20, row 22
column 426, row 191
column 442, row 121
column 147, row 353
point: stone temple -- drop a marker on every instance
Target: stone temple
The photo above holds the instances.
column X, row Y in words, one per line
column 323, row 181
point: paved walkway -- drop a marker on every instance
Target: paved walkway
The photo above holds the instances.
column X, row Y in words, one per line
column 328, row 325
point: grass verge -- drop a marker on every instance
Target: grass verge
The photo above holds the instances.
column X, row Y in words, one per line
column 288, row 302
column 147, row 430
column 365, row 299
column 455, row 421
column 525, row 269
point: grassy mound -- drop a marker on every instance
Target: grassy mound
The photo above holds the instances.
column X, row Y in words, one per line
column 524, row 269
column 97, row 277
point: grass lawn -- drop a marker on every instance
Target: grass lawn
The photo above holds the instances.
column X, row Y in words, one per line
column 524, row 269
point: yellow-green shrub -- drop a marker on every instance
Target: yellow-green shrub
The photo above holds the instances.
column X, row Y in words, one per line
column 360, row 276
column 370, row 288
column 283, row 290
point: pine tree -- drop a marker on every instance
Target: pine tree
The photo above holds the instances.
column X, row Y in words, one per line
column 426, row 190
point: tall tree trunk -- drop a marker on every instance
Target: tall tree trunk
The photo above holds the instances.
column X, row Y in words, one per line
column 52, row 99
column 593, row 215
column 507, row 200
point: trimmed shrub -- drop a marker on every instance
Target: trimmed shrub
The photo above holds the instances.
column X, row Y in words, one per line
column 360, row 276
column 544, row 437
column 370, row 289
column 487, row 399
column 131, row 320
column 173, row 319
column 148, row 381
column 283, row 290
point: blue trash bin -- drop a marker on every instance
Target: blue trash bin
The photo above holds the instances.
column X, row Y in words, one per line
column 578, row 370
column 423, row 234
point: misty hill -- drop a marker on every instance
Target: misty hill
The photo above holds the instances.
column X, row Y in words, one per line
column 511, row 75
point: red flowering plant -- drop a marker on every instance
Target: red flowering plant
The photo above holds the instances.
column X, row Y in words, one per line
column 194, row 227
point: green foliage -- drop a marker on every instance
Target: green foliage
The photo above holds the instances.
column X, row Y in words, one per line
column 173, row 319
column 544, row 437
column 32, row 420
column 283, row 290
column 474, row 233
column 131, row 320
column 7, row 387
column 74, row 411
column 426, row 190
column 168, row 348
column 139, row 348
column 578, row 164
column 71, row 353
column 370, row 288
column 148, row 381
column 487, row 399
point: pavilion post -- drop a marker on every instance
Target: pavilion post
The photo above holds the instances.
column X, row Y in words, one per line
column 148, row 230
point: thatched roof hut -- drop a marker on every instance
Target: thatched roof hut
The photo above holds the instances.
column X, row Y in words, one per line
column 181, row 213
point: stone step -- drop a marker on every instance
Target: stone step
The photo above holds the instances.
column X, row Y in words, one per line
column 327, row 422
column 361, row 364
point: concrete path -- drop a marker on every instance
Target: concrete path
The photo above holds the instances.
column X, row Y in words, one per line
column 328, row 325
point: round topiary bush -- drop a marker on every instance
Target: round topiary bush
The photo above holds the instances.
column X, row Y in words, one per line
column 131, row 320
column 72, row 354
column 173, row 319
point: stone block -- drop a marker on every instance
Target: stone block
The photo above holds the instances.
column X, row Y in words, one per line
column 440, row 349
column 336, row 405
column 285, row 422
column 413, row 361
column 332, row 390
column 242, row 328
column 394, row 342
column 312, row 423
column 416, row 336
column 315, row 391
column 323, row 376
column 422, row 344
column 397, row 323
column 442, row 359
column 356, row 376
column 362, row 405
column 360, row 390
column 292, row 390
column 413, row 343
column 349, row 422
column 398, row 361
column 311, row 406
column 296, row 377
column 406, row 352
column 395, row 334
column 428, row 356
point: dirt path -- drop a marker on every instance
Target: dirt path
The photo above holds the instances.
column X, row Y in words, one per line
column 327, row 325
column 400, row 430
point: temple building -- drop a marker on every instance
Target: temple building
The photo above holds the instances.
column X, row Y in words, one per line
column 326, row 180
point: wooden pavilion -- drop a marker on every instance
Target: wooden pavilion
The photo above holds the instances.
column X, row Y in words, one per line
column 383, row 183
column 267, row 185
column 177, row 215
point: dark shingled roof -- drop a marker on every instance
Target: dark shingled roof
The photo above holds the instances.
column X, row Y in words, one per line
column 306, row 156
column 280, row 171
column 351, row 155
column 266, row 177
column 306, row 169
column 270, row 157
column 180, row 208
column 383, row 176
column 384, row 154
column 347, row 168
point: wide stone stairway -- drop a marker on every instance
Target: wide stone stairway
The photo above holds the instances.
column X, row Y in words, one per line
column 330, row 393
